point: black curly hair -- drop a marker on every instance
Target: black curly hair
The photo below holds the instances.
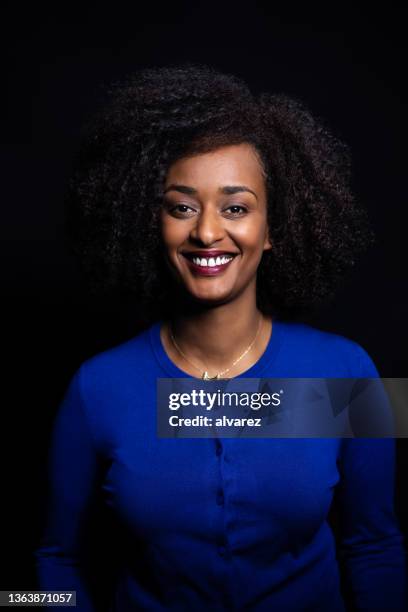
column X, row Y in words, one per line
column 161, row 114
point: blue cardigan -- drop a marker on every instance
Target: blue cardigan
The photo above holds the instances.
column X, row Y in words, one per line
column 229, row 524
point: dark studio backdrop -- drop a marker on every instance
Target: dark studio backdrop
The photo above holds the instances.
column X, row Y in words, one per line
column 347, row 65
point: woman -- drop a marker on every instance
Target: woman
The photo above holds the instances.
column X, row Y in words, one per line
column 184, row 166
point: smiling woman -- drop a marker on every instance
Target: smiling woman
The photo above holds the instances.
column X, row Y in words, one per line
column 224, row 213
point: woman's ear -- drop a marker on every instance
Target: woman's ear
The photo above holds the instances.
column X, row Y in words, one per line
column 267, row 243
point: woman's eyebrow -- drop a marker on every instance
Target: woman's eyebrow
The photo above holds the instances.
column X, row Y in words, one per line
column 228, row 189
column 231, row 189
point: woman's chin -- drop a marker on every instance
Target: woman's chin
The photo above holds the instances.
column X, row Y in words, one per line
column 209, row 301
column 208, row 297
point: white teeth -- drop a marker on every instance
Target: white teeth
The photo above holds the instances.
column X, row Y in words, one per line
column 211, row 262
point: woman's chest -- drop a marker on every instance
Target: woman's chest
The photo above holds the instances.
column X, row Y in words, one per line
column 194, row 485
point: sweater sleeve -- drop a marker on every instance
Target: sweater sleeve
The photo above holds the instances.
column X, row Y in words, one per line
column 371, row 543
column 72, row 480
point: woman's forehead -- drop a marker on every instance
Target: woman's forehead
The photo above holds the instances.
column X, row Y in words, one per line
column 227, row 165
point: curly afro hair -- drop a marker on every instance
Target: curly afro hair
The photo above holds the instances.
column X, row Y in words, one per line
column 161, row 114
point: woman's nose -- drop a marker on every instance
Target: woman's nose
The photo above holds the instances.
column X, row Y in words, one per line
column 208, row 226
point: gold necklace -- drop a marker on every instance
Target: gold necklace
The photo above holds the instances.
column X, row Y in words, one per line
column 204, row 373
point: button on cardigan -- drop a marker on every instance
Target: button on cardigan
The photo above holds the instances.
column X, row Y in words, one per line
column 220, row 524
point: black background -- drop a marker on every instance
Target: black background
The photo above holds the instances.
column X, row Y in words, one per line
column 348, row 65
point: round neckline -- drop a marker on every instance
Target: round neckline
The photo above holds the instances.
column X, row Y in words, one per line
column 265, row 360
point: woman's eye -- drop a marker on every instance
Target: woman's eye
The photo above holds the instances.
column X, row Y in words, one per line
column 237, row 209
column 182, row 209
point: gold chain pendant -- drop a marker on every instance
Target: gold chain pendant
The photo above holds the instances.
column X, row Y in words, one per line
column 206, row 377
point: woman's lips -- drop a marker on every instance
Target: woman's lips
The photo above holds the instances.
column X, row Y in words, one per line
column 208, row 270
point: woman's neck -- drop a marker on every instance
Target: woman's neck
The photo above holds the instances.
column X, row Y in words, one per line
column 215, row 336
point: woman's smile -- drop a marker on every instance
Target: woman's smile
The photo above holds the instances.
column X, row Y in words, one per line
column 209, row 263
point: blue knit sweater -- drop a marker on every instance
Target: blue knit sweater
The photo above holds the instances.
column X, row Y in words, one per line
column 229, row 524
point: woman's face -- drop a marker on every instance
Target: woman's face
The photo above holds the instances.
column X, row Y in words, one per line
column 215, row 205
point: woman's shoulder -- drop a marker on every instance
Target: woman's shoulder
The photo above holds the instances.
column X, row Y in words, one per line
column 328, row 349
column 105, row 384
column 131, row 357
